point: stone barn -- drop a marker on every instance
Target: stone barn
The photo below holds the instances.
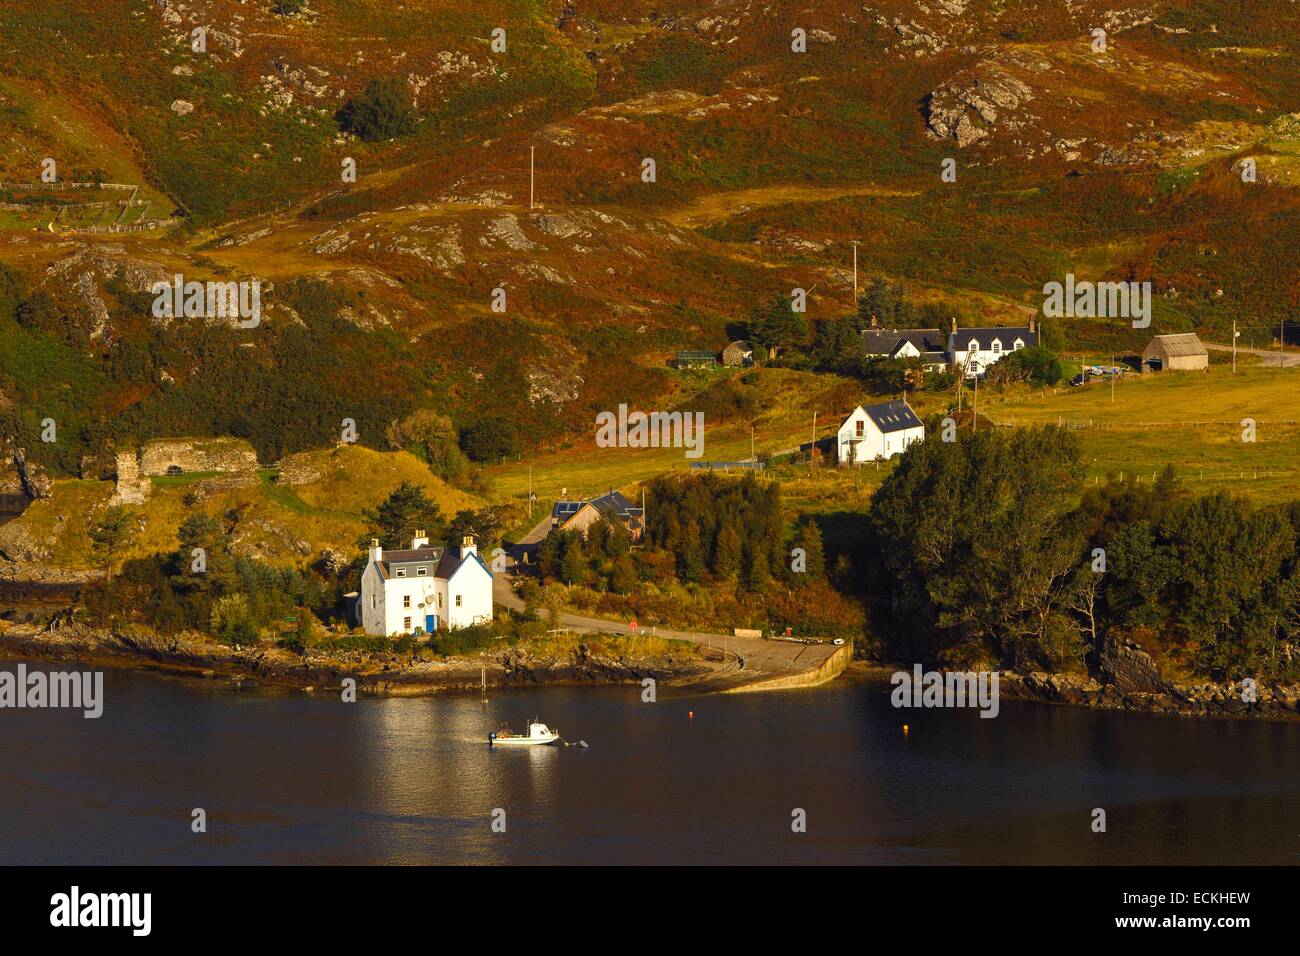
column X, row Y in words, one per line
column 738, row 353
column 1182, row 352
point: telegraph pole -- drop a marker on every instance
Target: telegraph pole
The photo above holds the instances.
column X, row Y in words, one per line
column 812, row 449
column 855, row 271
column 531, row 150
column 1235, row 333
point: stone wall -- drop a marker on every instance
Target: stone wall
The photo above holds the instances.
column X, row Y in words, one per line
column 191, row 455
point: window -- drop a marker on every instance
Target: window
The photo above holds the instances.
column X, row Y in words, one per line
column 406, row 623
column 439, row 600
column 420, row 572
column 374, row 602
column 997, row 345
column 458, row 600
column 860, row 425
column 1017, row 345
column 406, row 600
column 401, row 572
column 974, row 346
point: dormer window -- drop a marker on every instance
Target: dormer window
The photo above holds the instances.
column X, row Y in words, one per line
column 401, row 572
column 997, row 345
column 974, row 346
column 420, row 572
column 1018, row 345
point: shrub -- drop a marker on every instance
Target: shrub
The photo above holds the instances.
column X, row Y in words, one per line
column 381, row 111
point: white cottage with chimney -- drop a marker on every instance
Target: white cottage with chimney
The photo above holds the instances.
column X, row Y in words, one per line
column 976, row 349
column 873, row 432
column 421, row 589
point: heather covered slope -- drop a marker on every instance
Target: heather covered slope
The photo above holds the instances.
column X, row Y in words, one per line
column 1116, row 164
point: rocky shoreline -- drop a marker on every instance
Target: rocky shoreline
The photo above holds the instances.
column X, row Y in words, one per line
column 1124, row 677
column 376, row 674
column 1275, row 702
column 1135, row 686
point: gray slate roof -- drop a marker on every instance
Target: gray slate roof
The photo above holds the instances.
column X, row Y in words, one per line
column 885, row 341
column 960, row 340
column 892, row 416
column 613, row 506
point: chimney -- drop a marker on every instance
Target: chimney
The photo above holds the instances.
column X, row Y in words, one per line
column 467, row 546
column 954, row 325
column 1031, row 323
column 376, row 552
column 421, row 540
column 873, row 320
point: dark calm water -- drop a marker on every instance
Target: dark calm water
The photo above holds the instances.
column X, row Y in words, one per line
column 288, row 778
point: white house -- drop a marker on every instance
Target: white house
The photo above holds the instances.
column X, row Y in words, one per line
column 924, row 344
column 877, row 431
column 420, row 589
column 977, row 349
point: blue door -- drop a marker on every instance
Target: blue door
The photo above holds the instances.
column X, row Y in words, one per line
column 430, row 623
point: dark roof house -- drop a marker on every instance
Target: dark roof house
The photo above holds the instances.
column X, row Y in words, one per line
column 892, row 416
column 613, row 507
column 890, row 341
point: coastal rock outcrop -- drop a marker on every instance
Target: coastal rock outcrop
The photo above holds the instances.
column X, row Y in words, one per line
column 1129, row 668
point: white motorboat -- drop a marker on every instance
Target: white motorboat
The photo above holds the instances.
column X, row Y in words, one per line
column 538, row 735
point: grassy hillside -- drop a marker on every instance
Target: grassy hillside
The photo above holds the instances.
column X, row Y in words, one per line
column 769, row 165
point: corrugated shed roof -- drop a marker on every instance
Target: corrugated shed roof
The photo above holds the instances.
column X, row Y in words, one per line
column 1179, row 344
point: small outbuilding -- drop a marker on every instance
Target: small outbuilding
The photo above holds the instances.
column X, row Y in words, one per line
column 738, row 353
column 1182, row 352
column 696, row 358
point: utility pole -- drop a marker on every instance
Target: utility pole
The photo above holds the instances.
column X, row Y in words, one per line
column 530, row 491
column 812, row 449
column 1235, row 333
column 1281, row 344
column 752, row 456
column 975, row 407
column 855, row 271
column 531, row 150
column 1113, row 376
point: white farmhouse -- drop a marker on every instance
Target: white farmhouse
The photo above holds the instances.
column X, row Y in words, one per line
column 420, row 589
column 877, row 431
column 977, row 349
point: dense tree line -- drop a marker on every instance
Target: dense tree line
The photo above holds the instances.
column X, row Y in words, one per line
column 203, row 586
column 706, row 528
column 985, row 550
